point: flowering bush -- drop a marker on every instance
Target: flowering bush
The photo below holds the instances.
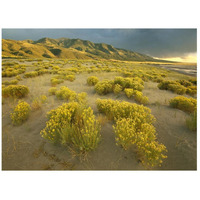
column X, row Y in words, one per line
column 177, row 88
column 92, row 80
column 30, row 74
column 138, row 96
column 133, row 126
column 52, row 90
column 13, row 82
column 70, row 78
column 134, row 83
column 117, row 89
column 21, row 113
column 74, row 125
column 191, row 90
column 104, row 87
column 17, row 91
column 122, row 109
column 129, row 92
column 65, row 93
column 184, row 103
column 55, row 81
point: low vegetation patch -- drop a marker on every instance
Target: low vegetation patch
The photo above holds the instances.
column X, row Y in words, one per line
column 92, row 80
column 73, row 124
column 16, row 91
column 133, row 126
column 21, row 113
column 184, row 104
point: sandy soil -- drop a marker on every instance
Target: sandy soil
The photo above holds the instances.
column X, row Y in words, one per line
column 24, row 149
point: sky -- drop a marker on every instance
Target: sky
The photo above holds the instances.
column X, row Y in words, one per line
column 170, row 44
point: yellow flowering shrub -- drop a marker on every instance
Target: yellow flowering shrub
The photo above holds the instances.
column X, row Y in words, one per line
column 138, row 96
column 134, row 83
column 52, row 90
column 117, row 89
column 43, row 98
column 70, row 78
column 114, row 109
column 129, row 92
column 13, row 82
column 92, row 80
column 30, row 74
column 104, row 87
column 21, row 113
column 133, row 126
column 191, row 90
column 55, row 81
column 17, row 91
column 184, row 103
column 73, row 124
column 152, row 153
column 64, row 93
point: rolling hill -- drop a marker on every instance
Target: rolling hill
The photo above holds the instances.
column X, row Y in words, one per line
column 67, row 48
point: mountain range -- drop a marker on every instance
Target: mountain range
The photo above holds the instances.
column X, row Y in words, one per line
column 67, row 48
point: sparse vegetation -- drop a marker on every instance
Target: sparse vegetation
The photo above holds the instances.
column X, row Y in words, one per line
column 21, row 113
column 16, row 91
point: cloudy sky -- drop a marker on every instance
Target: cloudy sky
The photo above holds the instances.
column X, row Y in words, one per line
column 172, row 44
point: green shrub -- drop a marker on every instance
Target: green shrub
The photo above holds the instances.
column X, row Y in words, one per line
column 21, row 113
column 184, row 103
column 191, row 122
column 92, row 80
column 72, row 124
column 104, row 87
column 17, row 91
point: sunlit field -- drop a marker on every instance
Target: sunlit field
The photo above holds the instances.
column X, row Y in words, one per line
column 60, row 114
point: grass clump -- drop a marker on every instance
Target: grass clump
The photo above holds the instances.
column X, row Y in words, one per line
column 191, row 122
column 21, row 113
column 184, row 103
column 15, row 91
column 73, row 124
column 92, row 80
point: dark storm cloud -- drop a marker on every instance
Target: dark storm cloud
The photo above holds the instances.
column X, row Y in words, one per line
column 154, row 42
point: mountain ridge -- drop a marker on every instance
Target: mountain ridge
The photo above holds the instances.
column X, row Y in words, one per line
column 69, row 49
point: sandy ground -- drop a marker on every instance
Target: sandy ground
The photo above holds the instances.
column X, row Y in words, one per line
column 24, row 149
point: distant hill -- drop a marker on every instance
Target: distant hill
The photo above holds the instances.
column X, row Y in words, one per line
column 68, row 48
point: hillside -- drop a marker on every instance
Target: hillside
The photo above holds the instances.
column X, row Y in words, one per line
column 67, row 48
